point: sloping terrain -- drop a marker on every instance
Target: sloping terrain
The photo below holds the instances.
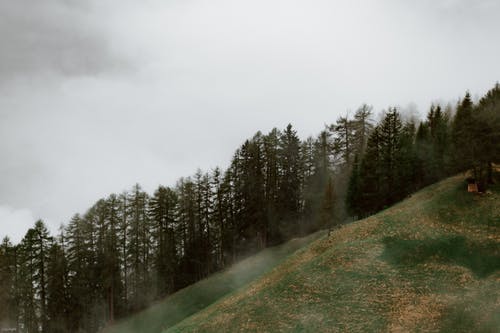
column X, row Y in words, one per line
column 192, row 299
column 428, row 264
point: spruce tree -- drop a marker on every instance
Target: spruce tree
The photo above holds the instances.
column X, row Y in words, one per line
column 344, row 142
column 327, row 214
column 162, row 209
column 390, row 139
column 370, row 176
column 464, row 145
column 57, row 289
column 9, row 302
column 139, row 249
column 289, row 196
column 40, row 252
column 353, row 196
column 363, row 125
column 487, row 134
column 271, row 151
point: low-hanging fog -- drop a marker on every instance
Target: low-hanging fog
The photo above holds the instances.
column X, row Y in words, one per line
column 98, row 95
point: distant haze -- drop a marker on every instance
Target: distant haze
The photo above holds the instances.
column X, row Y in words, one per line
column 96, row 96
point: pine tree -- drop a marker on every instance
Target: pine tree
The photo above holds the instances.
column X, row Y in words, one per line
column 390, row 138
column 139, row 249
column 81, row 267
column 187, row 231
column 32, row 281
column 363, row 126
column 406, row 164
column 112, row 282
column 96, row 217
column 487, row 134
column 431, row 147
column 123, row 243
column 40, row 252
column 271, row 151
column 464, row 145
column 309, row 166
column 9, row 307
column 229, row 208
column 424, row 152
column 353, row 196
column 318, row 180
column 326, row 218
column 162, row 209
column 370, row 176
column 219, row 218
column 344, row 142
column 202, row 250
column 250, row 187
column 289, row 196
column 57, row 288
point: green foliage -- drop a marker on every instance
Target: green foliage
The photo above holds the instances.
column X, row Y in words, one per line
column 387, row 173
column 464, row 143
column 475, row 136
column 399, row 159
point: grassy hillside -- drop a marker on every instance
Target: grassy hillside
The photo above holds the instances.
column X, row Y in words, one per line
column 192, row 299
column 428, row 264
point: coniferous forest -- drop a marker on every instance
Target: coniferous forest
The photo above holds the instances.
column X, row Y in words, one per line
column 133, row 248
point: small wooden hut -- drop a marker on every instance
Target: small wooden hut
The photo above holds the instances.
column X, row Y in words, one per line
column 472, row 185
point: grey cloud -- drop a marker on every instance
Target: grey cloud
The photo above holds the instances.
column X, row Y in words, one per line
column 52, row 37
column 190, row 80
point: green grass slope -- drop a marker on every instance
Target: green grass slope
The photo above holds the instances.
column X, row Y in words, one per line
column 192, row 299
column 428, row 264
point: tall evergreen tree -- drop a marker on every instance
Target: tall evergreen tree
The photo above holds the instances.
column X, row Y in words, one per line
column 390, row 137
column 162, row 210
column 123, row 234
column 406, row 162
column 363, row 126
column 187, row 231
column 9, row 306
column 487, row 135
column 271, row 151
column 327, row 213
column 289, row 196
column 40, row 252
column 81, row 266
column 57, row 288
column 318, row 180
column 344, row 142
column 220, row 218
column 139, row 250
column 370, row 176
column 112, row 282
column 464, row 145
column 353, row 196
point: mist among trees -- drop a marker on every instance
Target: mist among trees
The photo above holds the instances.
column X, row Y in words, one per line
column 133, row 248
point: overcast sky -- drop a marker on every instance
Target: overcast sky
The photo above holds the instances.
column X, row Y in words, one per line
column 96, row 95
